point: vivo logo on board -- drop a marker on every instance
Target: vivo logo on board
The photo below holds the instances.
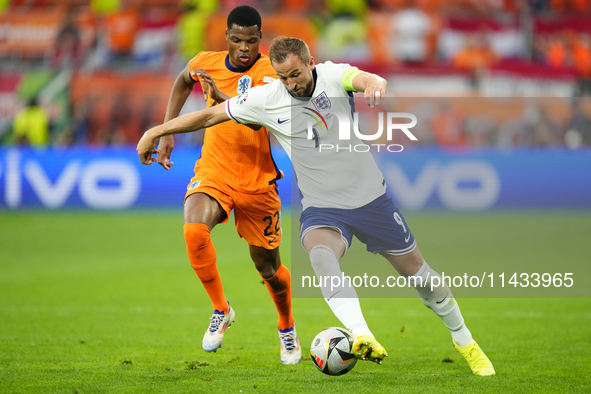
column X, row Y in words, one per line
column 101, row 183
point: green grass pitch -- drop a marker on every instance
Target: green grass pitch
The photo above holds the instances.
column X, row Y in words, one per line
column 108, row 303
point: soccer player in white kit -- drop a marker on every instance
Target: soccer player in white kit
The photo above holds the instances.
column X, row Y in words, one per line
column 344, row 192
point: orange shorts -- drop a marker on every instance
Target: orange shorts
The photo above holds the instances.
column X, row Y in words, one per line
column 257, row 216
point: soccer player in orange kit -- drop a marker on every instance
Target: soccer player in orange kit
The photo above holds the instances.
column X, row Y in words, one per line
column 236, row 171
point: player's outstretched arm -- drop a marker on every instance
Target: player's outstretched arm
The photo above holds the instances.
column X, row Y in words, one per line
column 373, row 87
column 183, row 85
column 183, row 124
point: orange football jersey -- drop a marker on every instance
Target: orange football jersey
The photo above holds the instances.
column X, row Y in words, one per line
column 238, row 154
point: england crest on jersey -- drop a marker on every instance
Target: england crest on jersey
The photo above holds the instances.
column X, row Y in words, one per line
column 321, row 102
column 244, row 84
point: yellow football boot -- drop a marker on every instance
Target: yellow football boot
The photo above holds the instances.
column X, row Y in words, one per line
column 476, row 358
column 367, row 348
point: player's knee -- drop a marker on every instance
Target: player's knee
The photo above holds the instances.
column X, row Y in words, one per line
column 199, row 246
column 266, row 262
column 265, row 267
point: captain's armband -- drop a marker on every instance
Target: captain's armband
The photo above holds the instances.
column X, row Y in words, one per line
column 347, row 79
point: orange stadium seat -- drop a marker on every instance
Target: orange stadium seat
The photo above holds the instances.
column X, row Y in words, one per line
column 111, row 105
column 571, row 5
column 378, row 36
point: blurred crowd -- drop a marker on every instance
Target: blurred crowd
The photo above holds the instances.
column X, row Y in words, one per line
column 490, row 122
column 99, row 72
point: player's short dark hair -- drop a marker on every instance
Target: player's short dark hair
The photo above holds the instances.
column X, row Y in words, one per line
column 282, row 47
column 245, row 16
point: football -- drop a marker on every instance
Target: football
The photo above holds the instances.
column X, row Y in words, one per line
column 331, row 351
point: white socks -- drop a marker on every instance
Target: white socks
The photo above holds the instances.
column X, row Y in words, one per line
column 344, row 303
column 441, row 302
column 340, row 297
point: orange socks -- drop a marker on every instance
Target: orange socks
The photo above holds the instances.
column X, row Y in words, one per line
column 202, row 256
column 279, row 286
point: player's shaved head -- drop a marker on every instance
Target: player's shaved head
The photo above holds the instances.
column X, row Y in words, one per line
column 243, row 36
column 244, row 16
column 282, row 47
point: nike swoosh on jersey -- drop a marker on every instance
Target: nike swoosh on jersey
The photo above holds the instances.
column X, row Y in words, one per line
column 282, row 121
column 406, row 239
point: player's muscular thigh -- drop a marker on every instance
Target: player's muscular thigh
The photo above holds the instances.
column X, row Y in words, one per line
column 327, row 237
column 204, row 209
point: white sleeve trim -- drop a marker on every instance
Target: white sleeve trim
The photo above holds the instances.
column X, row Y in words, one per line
column 229, row 113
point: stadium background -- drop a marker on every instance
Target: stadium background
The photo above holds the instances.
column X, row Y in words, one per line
column 101, row 72
column 500, row 168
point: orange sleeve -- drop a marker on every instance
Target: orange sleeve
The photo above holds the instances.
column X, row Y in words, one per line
column 195, row 63
column 264, row 69
column 209, row 61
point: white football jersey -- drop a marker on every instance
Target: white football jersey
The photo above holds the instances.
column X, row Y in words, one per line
column 343, row 176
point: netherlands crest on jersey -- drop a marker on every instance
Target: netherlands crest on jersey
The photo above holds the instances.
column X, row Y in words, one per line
column 321, row 102
column 244, row 84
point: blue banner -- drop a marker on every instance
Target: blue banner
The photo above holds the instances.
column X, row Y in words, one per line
column 476, row 180
column 105, row 178
column 114, row 179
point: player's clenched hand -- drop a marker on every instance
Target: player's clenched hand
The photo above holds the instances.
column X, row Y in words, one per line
column 165, row 147
column 374, row 95
column 145, row 149
column 207, row 83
